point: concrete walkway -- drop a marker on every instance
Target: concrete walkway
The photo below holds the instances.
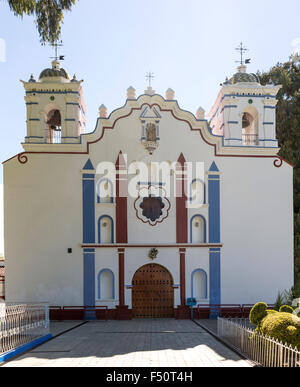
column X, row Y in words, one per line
column 136, row 343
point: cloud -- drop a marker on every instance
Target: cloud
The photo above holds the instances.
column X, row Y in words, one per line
column 296, row 45
column 1, row 222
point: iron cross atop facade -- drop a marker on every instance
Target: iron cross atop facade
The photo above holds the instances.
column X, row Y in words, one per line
column 149, row 77
column 56, row 46
column 242, row 50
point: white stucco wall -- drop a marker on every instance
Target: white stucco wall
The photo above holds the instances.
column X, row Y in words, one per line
column 43, row 218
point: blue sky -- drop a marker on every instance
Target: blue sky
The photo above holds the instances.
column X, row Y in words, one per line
column 189, row 45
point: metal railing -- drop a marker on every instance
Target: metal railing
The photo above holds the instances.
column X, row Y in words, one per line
column 22, row 324
column 260, row 349
column 250, row 139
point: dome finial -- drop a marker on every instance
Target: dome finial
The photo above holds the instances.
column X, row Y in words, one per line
column 32, row 80
column 56, row 64
column 242, row 69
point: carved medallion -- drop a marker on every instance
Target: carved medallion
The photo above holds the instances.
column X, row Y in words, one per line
column 152, row 206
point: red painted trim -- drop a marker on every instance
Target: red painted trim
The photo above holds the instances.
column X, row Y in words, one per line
column 181, row 200
column 22, row 158
column 182, row 277
column 121, row 277
column 121, row 201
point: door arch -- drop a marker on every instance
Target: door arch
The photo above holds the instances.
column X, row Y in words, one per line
column 152, row 292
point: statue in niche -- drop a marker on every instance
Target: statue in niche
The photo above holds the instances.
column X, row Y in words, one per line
column 151, row 132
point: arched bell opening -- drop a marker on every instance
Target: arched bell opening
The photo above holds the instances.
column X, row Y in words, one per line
column 250, row 126
column 53, row 127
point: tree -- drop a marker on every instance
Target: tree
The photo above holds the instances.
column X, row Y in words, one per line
column 49, row 15
column 288, row 131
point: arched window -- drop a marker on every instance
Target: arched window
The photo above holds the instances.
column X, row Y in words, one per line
column 106, row 285
column 199, row 284
column 105, row 230
column 105, row 192
column 250, row 126
column 53, row 127
column 197, row 193
column 198, row 229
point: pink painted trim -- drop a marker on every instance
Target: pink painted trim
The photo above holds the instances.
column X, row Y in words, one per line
column 121, row 201
column 181, row 208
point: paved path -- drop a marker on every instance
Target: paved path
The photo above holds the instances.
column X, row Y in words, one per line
column 136, row 343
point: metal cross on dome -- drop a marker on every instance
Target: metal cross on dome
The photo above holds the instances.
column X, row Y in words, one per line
column 149, row 77
column 56, row 46
column 242, row 50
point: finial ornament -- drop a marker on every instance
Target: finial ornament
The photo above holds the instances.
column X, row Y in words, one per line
column 32, row 79
column 131, row 93
column 56, row 47
column 200, row 114
column 242, row 51
column 170, row 94
column 103, row 111
column 149, row 78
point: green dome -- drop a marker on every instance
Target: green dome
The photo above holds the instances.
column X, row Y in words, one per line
column 47, row 73
column 243, row 77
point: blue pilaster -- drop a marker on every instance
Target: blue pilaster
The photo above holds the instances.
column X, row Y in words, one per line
column 88, row 205
column 215, row 281
column 214, row 237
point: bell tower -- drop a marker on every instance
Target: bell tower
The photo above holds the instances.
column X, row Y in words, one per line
column 55, row 107
column 245, row 111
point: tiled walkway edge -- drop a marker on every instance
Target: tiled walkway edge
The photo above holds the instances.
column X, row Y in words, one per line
column 18, row 351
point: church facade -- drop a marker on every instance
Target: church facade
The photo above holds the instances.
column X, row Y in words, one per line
column 155, row 206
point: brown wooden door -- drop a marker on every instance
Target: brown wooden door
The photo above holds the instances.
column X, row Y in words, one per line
column 152, row 293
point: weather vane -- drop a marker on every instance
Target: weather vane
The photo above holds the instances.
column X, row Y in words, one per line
column 242, row 50
column 56, row 46
column 149, row 77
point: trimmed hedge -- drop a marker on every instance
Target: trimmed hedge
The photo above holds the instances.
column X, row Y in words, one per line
column 286, row 309
column 283, row 325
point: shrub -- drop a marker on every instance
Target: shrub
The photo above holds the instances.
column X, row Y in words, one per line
column 258, row 313
column 286, row 309
column 282, row 326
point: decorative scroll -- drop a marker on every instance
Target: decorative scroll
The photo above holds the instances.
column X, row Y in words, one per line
column 22, row 158
column 278, row 162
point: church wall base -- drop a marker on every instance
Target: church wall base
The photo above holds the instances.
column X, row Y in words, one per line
column 182, row 313
column 123, row 313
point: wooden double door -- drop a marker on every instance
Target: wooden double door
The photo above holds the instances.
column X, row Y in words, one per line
column 153, row 293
